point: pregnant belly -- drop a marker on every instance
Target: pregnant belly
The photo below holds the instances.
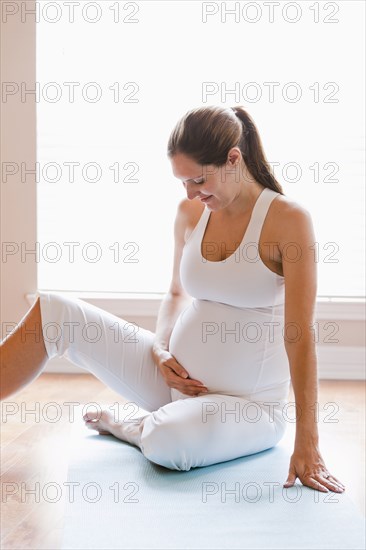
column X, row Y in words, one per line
column 230, row 350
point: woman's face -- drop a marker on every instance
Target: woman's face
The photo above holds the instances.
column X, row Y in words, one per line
column 215, row 186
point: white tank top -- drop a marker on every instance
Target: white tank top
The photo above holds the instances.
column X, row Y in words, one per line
column 242, row 279
column 231, row 336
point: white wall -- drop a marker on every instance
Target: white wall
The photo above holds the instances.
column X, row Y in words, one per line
column 18, row 144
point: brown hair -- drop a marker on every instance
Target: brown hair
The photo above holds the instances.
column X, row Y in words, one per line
column 206, row 134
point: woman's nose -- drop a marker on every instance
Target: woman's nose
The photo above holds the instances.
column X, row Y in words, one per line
column 192, row 190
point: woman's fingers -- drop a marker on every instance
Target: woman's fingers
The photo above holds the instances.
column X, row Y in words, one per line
column 333, row 484
column 186, row 385
column 178, row 378
column 179, row 371
column 315, row 484
column 323, row 483
column 169, row 362
column 191, row 393
column 333, row 478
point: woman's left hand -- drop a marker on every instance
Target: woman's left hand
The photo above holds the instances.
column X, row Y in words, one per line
column 308, row 465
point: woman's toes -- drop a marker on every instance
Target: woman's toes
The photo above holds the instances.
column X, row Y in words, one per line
column 92, row 416
column 96, row 425
column 98, row 421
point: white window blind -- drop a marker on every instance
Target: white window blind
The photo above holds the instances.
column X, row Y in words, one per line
column 110, row 92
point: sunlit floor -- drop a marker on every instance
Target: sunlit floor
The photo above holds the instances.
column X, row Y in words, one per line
column 35, row 450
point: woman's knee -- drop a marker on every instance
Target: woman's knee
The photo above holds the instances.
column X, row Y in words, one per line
column 179, row 436
column 58, row 322
column 169, row 443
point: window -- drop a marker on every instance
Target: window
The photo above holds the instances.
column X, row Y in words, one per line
column 110, row 92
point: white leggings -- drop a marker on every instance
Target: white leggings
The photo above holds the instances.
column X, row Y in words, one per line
column 177, row 433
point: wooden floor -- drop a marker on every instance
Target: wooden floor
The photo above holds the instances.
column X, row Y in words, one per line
column 34, row 450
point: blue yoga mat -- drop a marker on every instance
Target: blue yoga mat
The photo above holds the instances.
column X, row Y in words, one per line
column 120, row 500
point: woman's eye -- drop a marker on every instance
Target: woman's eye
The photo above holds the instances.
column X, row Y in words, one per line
column 201, row 180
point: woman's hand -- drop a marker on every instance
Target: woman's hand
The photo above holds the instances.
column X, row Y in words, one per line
column 175, row 375
column 308, row 465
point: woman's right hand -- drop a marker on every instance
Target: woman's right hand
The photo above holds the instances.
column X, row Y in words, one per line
column 175, row 375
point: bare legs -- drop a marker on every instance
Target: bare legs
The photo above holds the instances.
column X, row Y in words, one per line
column 22, row 353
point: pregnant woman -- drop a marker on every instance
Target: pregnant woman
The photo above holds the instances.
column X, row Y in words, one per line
column 233, row 330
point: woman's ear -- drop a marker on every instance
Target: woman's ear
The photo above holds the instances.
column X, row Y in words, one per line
column 234, row 157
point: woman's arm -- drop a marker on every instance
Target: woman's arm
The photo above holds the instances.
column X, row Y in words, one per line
column 176, row 298
column 169, row 311
column 300, row 272
column 173, row 303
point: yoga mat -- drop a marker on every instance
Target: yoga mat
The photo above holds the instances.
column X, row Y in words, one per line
column 117, row 499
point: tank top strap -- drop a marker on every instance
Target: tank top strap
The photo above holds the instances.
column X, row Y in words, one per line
column 200, row 227
column 259, row 214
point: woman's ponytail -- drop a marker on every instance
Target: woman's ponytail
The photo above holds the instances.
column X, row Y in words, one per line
column 252, row 150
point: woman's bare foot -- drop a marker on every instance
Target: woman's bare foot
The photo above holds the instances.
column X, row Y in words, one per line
column 105, row 423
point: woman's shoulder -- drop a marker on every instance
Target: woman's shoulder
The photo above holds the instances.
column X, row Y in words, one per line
column 289, row 218
column 288, row 209
column 190, row 211
column 187, row 206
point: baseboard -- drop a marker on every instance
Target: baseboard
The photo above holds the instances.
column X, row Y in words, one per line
column 61, row 365
column 334, row 363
